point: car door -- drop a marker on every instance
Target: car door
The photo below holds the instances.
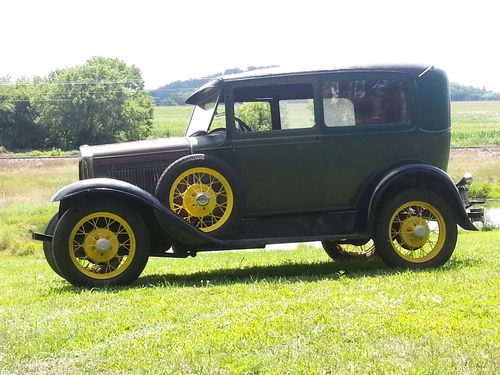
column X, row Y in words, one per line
column 276, row 153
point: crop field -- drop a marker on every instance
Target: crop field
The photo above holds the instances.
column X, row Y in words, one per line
column 475, row 124
column 275, row 311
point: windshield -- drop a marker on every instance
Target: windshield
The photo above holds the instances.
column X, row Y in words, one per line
column 203, row 112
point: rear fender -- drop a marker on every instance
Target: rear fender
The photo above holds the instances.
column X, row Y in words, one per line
column 105, row 188
column 418, row 175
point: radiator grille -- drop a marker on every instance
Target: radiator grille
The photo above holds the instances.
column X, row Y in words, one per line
column 145, row 178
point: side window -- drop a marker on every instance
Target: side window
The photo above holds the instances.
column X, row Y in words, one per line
column 365, row 102
column 274, row 107
column 296, row 113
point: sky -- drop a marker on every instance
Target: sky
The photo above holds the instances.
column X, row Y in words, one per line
column 176, row 40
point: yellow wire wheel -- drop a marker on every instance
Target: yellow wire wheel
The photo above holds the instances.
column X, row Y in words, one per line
column 100, row 242
column 203, row 197
column 416, row 229
column 102, row 245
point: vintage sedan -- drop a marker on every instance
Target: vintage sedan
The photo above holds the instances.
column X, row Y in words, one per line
column 353, row 157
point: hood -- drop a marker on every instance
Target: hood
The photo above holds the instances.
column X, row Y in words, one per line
column 135, row 149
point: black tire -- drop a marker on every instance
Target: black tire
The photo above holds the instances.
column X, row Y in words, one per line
column 116, row 228
column 415, row 229
column 338, row 251
column 191, row 177
column 47, row 246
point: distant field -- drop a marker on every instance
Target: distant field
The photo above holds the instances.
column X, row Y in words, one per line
column 473, row 123
column 171, row 121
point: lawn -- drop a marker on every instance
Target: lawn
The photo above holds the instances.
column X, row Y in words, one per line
column 279, row 311
column 259, row 312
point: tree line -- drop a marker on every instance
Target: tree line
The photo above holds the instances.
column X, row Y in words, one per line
column 101, row 101
column 460, row 93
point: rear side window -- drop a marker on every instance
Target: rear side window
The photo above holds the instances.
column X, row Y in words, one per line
column 365, row 102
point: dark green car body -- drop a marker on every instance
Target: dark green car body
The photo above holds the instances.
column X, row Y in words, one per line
column 319, row 156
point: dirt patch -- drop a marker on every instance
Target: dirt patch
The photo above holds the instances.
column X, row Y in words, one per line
column 475, row 152
column 29, row 163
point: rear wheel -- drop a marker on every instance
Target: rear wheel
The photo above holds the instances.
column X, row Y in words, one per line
column 101, row 244
column 416, row 229
column 338, row 251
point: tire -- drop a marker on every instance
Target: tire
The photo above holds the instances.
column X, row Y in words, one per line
column 203, row 191
column 415, row 229
column 116, row 228
column 338, row 251
column 47, row 246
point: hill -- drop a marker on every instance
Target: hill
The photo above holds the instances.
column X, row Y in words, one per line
column 175, row 93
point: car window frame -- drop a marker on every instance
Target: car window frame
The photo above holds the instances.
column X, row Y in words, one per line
column 373, row 75
column 233, row 133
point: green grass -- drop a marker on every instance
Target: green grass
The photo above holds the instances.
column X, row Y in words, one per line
column 259, row 312
column 244, row 312
column 25, row 190
column 484, row 164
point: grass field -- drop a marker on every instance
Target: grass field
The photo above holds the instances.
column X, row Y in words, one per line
column 259, row 312
column 473, row 123
column 247, row 312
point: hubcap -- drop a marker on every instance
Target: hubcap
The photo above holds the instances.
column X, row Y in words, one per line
column 202, row 199
column 420, row 231
column 414, row 232
column 103, row 245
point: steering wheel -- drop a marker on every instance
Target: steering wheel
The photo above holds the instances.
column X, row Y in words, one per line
column 217, row 130
column 198, row 133
column 241, row 125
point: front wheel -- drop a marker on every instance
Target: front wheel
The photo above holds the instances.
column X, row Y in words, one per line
column 47, row 246
column 101, row 243
column 415, row 229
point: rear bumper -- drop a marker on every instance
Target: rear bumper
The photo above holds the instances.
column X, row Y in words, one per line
column 475, row 214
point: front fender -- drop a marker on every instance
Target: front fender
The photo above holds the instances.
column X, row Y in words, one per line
column 175, row 228
column 421, row 175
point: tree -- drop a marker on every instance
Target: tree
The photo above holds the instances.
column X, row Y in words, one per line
column 256, row 115
column 18, row 129
column 102, row 101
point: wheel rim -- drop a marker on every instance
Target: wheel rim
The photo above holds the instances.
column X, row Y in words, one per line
column 202, row 197
column 417, row 231
column 102, row 245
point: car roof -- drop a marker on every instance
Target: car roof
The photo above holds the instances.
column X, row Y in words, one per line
column 412, row 70
column 416, row 70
